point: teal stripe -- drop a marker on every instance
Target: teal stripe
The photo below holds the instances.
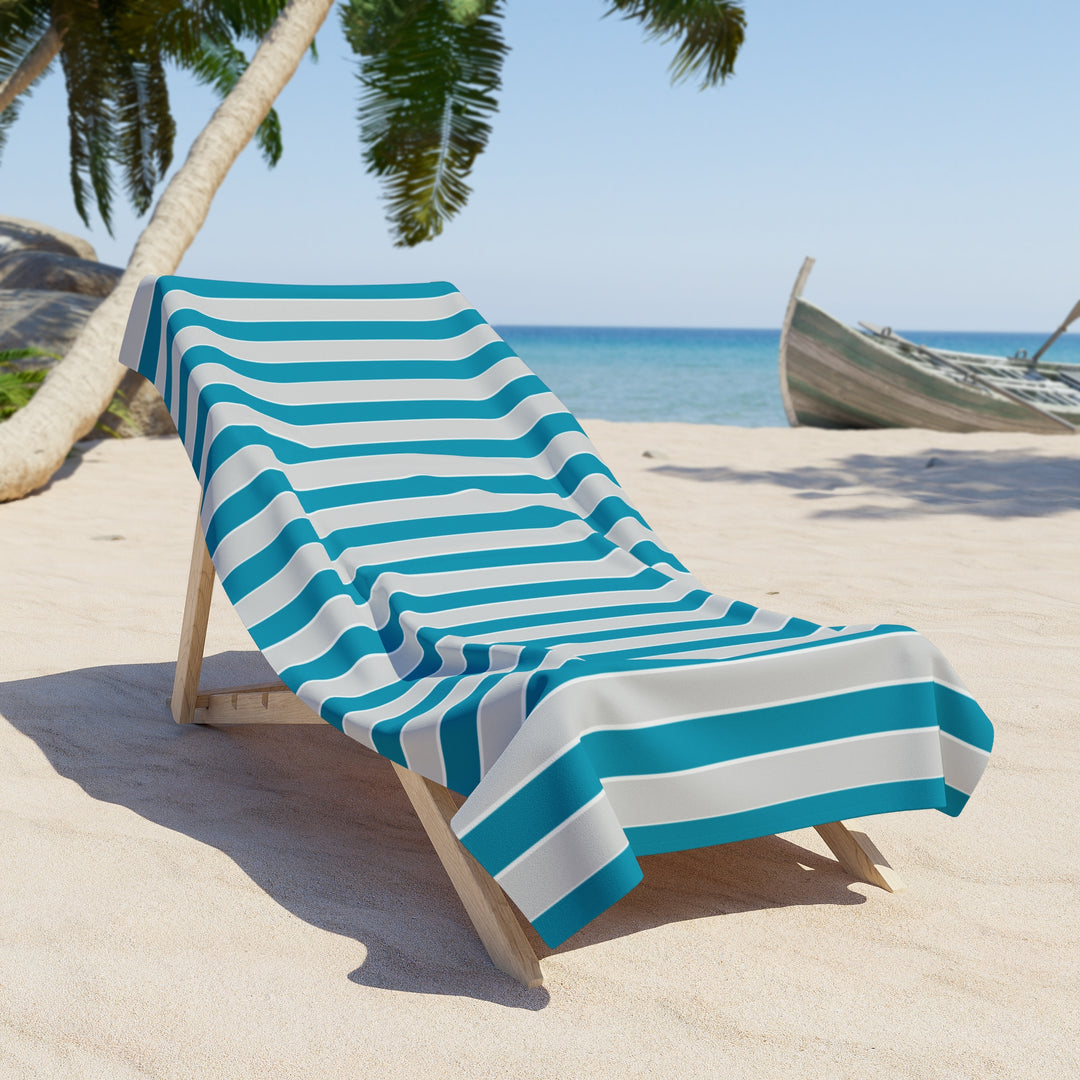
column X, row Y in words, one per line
column 531, row 444
column 565, row 918
column 304, row 371
column 644, row 581
column 148, row 354
column 591, row 548
column 637, row 607
column 631, row 659
column 350, row 646
column 609, row 511
column 578, row 908
column 691, row 744
column 269, row 560
column 669, row 747
column 304, row 330
column 376, row 698
column 247, row 290
column 318, row 415
column 459, row 734
column 652, row 554
column 391, row 635
column 955, row 801
column 523, row 519
column 247, row 501
column 533, row 811
column 789, row 816
column 320, row 589
column 386, row 734
column 495, row 406
column 960, row 717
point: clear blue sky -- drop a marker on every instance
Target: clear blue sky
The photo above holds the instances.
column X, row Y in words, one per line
column 926, row 153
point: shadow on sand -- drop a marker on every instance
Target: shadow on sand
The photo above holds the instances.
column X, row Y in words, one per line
column 323, row 827
column 986, row 483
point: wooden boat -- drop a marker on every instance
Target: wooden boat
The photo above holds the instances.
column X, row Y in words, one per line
column 834, row 376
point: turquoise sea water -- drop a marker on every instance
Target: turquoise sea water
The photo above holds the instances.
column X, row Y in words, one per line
column 698, row 376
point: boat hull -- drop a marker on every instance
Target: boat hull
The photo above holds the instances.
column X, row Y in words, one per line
column 835, row 377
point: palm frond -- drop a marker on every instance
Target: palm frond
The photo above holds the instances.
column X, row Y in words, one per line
column 89, row 67
column 468, row 11
column 22, row 27
column 200, row 37
column 425, row 107
column 374, row 26
column 710, row 33
column 247, row 18
column 220, row 64
column 145, row 129
column 7, row 118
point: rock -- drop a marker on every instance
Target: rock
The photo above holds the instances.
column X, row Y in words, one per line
column 146, row 412
column 50, row 282
column 28, row 269
column 17, row 234
column 42, row 318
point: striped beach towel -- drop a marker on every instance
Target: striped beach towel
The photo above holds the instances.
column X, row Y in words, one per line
column 424, row 544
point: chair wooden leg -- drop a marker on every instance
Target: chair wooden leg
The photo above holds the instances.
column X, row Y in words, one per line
column 859, row 856
column 200, row 588
column 484, row 901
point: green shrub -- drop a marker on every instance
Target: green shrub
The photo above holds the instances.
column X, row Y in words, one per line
column 18, row 385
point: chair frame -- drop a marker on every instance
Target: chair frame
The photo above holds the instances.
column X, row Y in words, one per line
column 487, row 906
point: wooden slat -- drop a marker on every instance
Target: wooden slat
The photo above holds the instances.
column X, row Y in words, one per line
column 859, row 856
column 200, row 588
column 484, row 901
column 269, row 703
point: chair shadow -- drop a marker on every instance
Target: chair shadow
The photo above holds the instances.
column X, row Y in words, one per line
column 986, row 483
column 324, row 828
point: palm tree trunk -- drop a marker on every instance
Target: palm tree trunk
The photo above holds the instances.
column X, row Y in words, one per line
column 34, row 63
column 36, row 439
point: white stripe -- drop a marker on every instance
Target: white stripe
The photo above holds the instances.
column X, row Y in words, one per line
column 315, row 309
column 401, row 350
column 653, row 693
column 964, row 763
column 780, row 776
column 570, row 854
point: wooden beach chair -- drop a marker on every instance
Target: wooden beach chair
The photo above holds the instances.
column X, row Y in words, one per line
column 485, row 903
column 495, row 618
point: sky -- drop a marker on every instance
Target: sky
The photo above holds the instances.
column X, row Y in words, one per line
column 924, row 153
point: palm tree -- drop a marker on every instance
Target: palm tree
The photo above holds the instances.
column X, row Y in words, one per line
column 430, row 69
column 113, row 57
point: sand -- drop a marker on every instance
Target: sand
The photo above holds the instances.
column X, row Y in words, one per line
column 198, row 902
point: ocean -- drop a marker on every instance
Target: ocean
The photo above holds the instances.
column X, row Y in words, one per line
column 699, row 376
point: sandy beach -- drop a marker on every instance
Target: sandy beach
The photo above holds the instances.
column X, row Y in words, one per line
column 212, row 903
